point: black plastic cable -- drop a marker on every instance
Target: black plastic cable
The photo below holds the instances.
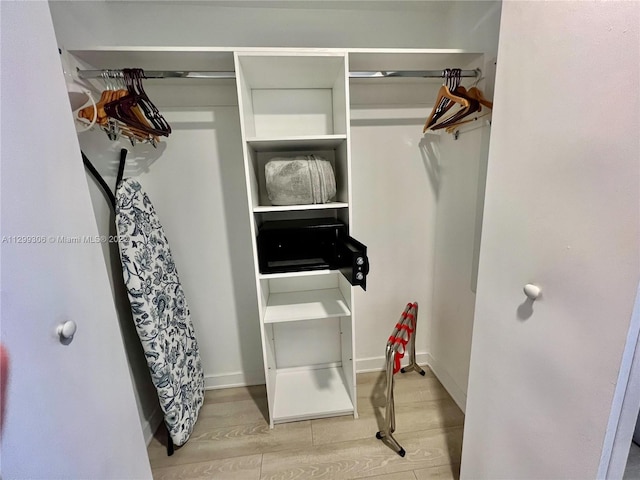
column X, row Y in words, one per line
column 99, row 179
column 123, row 160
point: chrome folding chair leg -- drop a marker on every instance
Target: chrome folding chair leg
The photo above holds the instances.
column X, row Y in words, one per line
column 403, row 335
column 413, row 366
column 386, row 434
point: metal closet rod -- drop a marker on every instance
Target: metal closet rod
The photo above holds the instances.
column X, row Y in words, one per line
column 87, row 74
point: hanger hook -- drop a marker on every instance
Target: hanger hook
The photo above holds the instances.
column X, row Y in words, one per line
column 445, row 76
column 479, row 77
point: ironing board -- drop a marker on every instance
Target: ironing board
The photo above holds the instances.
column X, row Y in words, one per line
column 160, row 310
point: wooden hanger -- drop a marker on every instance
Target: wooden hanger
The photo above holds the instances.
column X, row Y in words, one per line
column 136, row 111
column 106, row 97
column 476, row 93
column 472, row 107
column 445, row 100
column 476, row 99
column 125, row 111
column 102, row 117
column 129, row 120
column 453, row 127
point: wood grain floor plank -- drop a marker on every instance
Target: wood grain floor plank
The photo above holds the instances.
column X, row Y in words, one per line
column 225, row 442
column 409, row 387
column 365, row 458
column 370, row 377
column 238, row 468
column 240, row 412
column 232, row 439
column 410, row 417
column 222, row 395
column 409, row 475
column 442, row 472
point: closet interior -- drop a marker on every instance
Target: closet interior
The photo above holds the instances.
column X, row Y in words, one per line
column 287, row 86
column 413, row 199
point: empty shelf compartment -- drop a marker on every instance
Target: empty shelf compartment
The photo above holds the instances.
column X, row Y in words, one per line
column 311, row 393
column 305, row 305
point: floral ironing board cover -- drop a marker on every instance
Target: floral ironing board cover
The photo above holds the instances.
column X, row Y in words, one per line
column 160, row 310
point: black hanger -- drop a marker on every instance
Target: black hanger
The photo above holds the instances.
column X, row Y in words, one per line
column 123, row 160
column 150, row 110
column 122, row 109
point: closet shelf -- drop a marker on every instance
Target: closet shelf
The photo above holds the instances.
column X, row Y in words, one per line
column 309, row 273
column 305, row 305
column 312, row 393
column 307, row 142
column 289, row 208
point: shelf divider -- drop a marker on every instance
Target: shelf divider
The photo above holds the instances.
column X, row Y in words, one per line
column 305, row 305
column 305, row 142
column 288, row 208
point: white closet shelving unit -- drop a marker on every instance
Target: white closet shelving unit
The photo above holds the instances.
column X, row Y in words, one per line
column 298, row 103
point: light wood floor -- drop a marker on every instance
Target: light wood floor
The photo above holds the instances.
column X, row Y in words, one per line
column 232, row 439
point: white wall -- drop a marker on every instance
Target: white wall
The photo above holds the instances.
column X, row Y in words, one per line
column 460, row 172
column 394, row 213
column 561, row 211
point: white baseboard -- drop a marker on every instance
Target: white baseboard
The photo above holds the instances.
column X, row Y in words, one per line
column 376, row 364
column 230, row 380
column 372, row 364
column 150, row 426
column 459, row 396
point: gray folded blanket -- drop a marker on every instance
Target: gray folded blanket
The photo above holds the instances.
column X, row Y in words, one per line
column 300, row 180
